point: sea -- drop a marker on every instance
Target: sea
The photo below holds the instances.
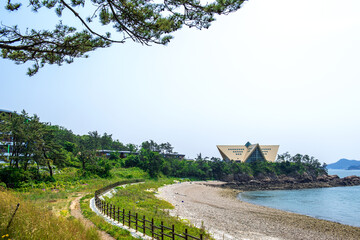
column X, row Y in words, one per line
column 337, row 204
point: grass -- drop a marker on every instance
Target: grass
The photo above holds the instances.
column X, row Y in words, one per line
column 49, row 203
column 32, row 222
column 44, row 207
column 56, row 196
column 141, row 199
column 99, row 222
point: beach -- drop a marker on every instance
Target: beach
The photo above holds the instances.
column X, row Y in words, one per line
column 225, row 217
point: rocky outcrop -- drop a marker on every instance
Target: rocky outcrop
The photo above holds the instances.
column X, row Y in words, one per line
column 273, row 182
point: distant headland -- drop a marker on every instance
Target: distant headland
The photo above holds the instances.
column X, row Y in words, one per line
column 345, row 164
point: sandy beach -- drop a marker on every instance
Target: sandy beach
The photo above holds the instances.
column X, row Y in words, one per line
column 226, row 217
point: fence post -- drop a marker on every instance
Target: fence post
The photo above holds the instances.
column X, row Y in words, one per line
column 162, row 230
column 129, row 218
column 136, row 222
column 152, row 228
column 123, row 218
column 107, row 209
column 12, row 217
column 118, row 212
column 110, row 210
column 186, row 234
column 144, row 224
column 114, row 217
column 201, row 237
column 173, row 232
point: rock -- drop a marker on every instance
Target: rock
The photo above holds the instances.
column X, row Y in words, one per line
column 228, row 178
column 350, row 178
column 296, row 181
column 267, row 180
column 288, row 180
column 322, row 178
column 242, row 177
column 255, row 182
column 332, row 177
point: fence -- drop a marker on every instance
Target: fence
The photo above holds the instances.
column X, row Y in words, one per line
column 133, row 220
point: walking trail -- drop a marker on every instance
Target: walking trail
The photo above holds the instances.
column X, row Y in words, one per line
column 76, row 212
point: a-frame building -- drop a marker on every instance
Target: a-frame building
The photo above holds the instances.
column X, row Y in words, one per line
column 248, row 152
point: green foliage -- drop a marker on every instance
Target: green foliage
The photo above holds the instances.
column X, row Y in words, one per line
column 302, row 163
column 151, row 162
column 141, row 199
column 17, row 177
column 116, row 232
column 129, row 173
column 216, row 169
column 132, row 161
column 63, row 44
column 55, row 196
column 40, row 146
column 33, row 142
column 101, row 167
column 153, row 146
column 33, row 222
column 69, row 146
column 139, row 20
column 147, row 160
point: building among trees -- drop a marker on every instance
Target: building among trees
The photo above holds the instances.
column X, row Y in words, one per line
column 248, row 152
column 124, row 154
column 5, row 140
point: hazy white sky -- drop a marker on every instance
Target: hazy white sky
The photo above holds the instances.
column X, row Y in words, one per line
column 275, row 72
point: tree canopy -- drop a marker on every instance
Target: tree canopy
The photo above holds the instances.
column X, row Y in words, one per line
column 143, row 21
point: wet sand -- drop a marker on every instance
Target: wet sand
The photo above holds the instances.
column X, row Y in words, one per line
column 226, row 217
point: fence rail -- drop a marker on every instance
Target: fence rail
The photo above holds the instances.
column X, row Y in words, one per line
column 133, row 220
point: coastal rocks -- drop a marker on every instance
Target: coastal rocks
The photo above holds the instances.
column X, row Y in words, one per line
column 352, row 180
column 288, row 179
column 271, row 182
column 242, row 177
column 332, row 177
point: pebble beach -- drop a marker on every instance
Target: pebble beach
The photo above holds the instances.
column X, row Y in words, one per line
column 225, row 217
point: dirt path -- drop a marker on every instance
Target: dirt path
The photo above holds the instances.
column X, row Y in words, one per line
column 229, row 218
column 76, row 212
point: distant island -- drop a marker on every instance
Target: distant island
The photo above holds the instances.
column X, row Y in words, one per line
column 354, row 167
column 345, row 164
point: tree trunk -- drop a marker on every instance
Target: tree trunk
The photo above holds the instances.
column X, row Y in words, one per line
column 49, row 164
column 26, row 162
column 50, row 168
column 38, row 166
column 83, row 164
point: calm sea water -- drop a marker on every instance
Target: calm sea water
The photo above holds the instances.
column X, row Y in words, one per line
column 338, row 204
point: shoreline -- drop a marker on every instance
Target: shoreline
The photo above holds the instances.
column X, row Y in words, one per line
column 290, row 183
column 207, row 205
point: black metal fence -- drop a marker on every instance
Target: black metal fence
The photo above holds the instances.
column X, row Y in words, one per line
column 133, row 220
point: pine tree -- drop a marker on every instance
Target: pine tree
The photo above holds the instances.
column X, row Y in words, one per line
column 142, row 21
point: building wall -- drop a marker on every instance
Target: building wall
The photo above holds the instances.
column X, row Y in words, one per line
column 241, row 152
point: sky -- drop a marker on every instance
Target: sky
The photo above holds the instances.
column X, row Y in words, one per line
column 279, row 72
